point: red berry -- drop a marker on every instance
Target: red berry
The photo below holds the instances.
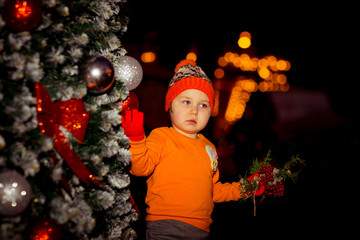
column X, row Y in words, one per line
column 267, row 179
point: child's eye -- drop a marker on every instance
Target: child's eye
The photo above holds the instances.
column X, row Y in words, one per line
column 186, row 102
column 203, row 105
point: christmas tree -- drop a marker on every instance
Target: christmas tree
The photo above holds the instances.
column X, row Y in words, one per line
column 63, row 153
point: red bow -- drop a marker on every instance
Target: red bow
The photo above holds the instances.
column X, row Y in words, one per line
column 71, row 115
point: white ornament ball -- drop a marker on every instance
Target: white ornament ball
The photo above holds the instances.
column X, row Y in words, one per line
column 129, row 71
column 15, row 193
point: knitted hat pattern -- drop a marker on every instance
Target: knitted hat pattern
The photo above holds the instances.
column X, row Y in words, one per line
column 189, row 76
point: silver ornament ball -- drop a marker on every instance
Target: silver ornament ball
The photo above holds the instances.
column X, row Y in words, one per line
column 129, row 71
column 98, row 74
column 15, row 193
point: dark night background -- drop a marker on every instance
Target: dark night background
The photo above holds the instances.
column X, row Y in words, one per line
column 317, row 40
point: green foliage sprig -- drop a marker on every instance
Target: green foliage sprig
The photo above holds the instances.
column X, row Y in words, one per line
column 269, row 176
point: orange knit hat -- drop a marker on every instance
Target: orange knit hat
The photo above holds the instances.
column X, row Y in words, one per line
column 189, row 76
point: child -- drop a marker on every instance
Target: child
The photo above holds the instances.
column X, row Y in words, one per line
column 181, row 164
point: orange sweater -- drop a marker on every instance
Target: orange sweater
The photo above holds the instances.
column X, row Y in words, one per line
column 183, row 177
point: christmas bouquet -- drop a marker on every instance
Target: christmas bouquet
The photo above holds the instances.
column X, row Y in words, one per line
column 265, row 175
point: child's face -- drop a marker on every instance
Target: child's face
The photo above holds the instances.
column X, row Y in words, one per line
column 189, row 112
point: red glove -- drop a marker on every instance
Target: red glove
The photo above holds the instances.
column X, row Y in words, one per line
column 132, row 123
column 262, row 187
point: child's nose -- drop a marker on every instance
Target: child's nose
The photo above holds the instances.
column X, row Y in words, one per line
column 194, row 110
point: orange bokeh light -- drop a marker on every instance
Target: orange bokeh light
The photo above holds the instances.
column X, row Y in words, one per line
column 219, row 73
column 244, row 42
column 148, row 57
column 191, row 56
column 222, row 62
column 264, row 73
column 245, row 34
column 23, row 10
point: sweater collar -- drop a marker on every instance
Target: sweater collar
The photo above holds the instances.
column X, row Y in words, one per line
column 200, row 136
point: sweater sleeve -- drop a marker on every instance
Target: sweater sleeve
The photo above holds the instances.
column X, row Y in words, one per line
column 145, row 154
column 224, row 192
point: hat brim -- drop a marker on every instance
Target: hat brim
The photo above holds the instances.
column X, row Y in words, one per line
column 189, row 83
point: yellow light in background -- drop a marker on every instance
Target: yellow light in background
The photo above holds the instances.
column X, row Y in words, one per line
column 229, row 56
column 245, row 96
column 281, row 79
column 222, row 62
column 272, row 63
column 288, row 66
column 263, row 63
column 281, row 65
column 285, row 87
column 254, row 64
column 244, row 40
column 248, row 85
column 148, row 57
column 191, row 56
column 245, row 34
column 263, row 86
column 244, row 57
column 270, row 70
column 275, row 87
column 237, row 62
column 240, row 94
column 264, row 73
column 219, row 73
column 270, row 86
column 236, row 106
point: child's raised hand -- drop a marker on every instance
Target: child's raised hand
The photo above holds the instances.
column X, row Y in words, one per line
column 132, row 122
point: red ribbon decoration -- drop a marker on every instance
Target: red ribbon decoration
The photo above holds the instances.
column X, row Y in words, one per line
column 70, row 114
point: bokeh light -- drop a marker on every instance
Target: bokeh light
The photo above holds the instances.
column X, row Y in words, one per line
column 148, row 57
column 244, row 40
column 191, row 56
